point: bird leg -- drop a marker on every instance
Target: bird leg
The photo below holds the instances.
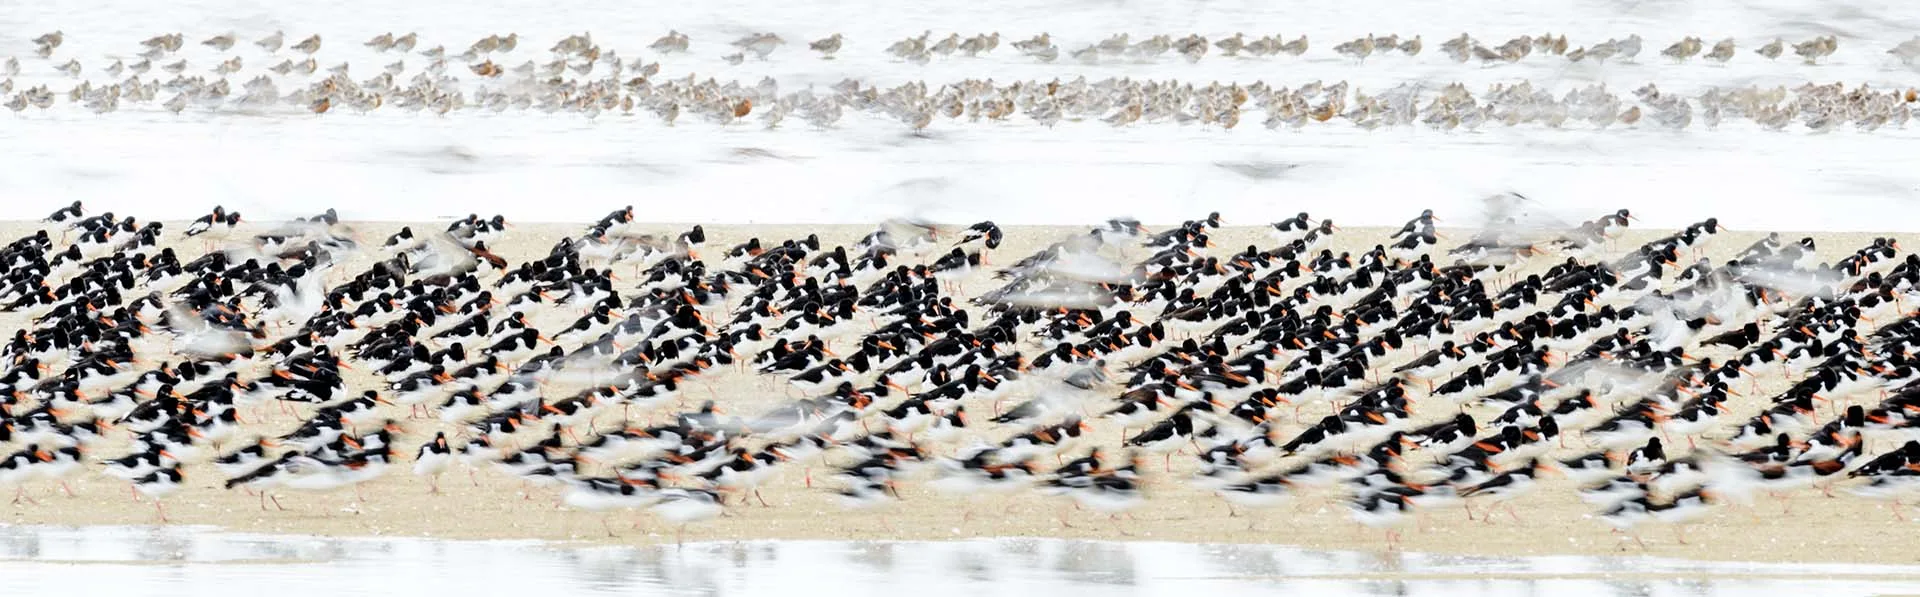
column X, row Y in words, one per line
column 1634, row 536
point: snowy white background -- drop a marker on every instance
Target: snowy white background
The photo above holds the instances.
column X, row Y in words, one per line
column 393, row 165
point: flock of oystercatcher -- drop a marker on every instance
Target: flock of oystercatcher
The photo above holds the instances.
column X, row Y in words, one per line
column 1411, row 376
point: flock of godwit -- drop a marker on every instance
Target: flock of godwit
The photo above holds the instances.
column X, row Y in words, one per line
column 578, row 75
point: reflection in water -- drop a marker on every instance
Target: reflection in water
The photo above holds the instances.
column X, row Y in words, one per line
column 1021, row 553
column 975, row 564
column 605, row 569
column 1243, row 560
column 876, row 554
column 199, row 561
column 19, row 546
column 1094, row 562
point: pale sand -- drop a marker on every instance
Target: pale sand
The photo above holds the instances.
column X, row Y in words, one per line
column 1553, row 520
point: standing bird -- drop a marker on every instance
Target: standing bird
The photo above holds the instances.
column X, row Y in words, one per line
column 1628, row 48
column 204, row 223
column 826, row 47
column 1683, row 49
column 1908, row 51
column 673, row 41
column 1816, row 48
column 1722, row 51
column 309, row 45
column 759, row 44
column 1411, row 47
column 432, row 460
column 681, row 507
column 272, row 43
column 71, row 212
column 1501, row 489
column 158, row 485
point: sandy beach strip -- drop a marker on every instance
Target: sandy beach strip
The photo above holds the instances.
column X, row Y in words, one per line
column 1550, row 520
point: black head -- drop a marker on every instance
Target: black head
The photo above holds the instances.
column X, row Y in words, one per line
column 1464, row 421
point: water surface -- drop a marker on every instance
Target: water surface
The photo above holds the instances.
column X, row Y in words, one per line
column 38, row 560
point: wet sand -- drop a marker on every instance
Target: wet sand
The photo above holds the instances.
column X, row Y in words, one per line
column 1550, row 520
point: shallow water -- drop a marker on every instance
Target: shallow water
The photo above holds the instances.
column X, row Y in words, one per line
column 198, row 561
